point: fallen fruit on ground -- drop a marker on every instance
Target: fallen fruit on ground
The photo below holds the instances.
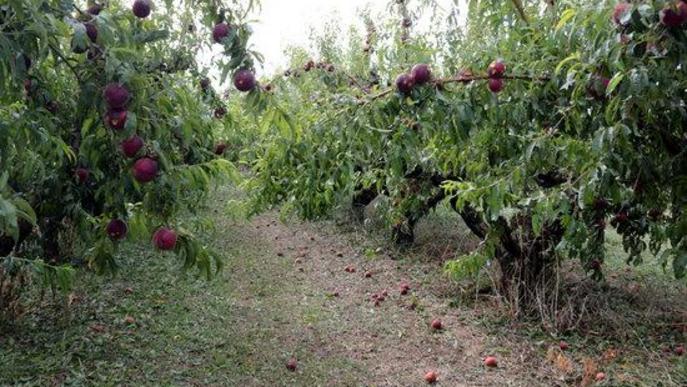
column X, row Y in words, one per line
column 431, row 377
column 490, row 361
column 437, row 324
column 292, row 364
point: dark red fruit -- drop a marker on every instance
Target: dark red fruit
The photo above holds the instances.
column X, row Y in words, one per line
column 405, row 83
column 220, row 32
column 91, row 31
column 94, row 9
column 563, row 345
column 116, row 95
column 496, row 69
column 620, row 11
column 436, row 324
column 52, row 106
column 131, row 146
column 141, row 8
column 220, row 148
column 220, row 112
column 309, row 65
column 244, row 80
column 204, row 83
column 431, row 377
column 496, row 85
column 292, row 364
column 675, row 15
column 145, row 170
column 116, row 229
column 621, row 217
column 421, row 74
column 116, row 119
column 82, row 175
column 165, row 239
column 680, row 350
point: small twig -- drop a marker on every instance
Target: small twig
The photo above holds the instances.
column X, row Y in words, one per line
column 59, row 54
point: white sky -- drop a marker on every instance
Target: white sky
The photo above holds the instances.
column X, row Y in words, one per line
column 283, row 23
column 288, row 22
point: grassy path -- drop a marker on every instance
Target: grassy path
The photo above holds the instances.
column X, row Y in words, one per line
column 284, row 292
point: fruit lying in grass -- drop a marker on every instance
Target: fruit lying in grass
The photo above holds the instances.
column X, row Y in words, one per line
column 431, row 377
column 131, row 146
column 165, row 239
column 220, row 31
column 91, row 31
column 116, row 118
column 244, row 80
column 495, row 85
column 674, row 15
column 141, row 8
column 116, row 229
column 496, row 69
column 680, row 350
column 116, row 95
column 563, row 345
column 421, row 74
column 405, row 83
column 436, row 324
column 145, row 170
column 82, row 175
column 600, row 376
column 490, row 361
column 292, row 364
column 619, row 12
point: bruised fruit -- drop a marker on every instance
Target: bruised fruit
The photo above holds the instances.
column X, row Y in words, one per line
column 675, row 15
column 292, row 364
column 91, row 31
column 436, row 324
column 141, row 8
column 496, row 85
column 116, row 95
column 116, row 229
column 116, row 119
column 204, row 83
column 165, row 239
column 620, row 11
column 131, row 146
column 220, row 148
column 490, row 361
column 405, row 83
column 431, row 377
column 496, row 69
column 94, row 9
column 421, row 74
column 244, row 80
column 220, row 32
column 145, row 170
column 220, row 112
column 82, row 175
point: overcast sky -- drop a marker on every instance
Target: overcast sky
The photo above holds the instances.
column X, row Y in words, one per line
column 288, row 22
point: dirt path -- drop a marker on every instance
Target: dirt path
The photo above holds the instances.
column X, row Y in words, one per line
column 325, row 316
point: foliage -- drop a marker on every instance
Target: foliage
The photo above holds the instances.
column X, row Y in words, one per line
column 77, row 80
column 587, row 133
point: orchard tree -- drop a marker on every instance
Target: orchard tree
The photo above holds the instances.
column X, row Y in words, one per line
column 542, row 123
column 108, row 127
